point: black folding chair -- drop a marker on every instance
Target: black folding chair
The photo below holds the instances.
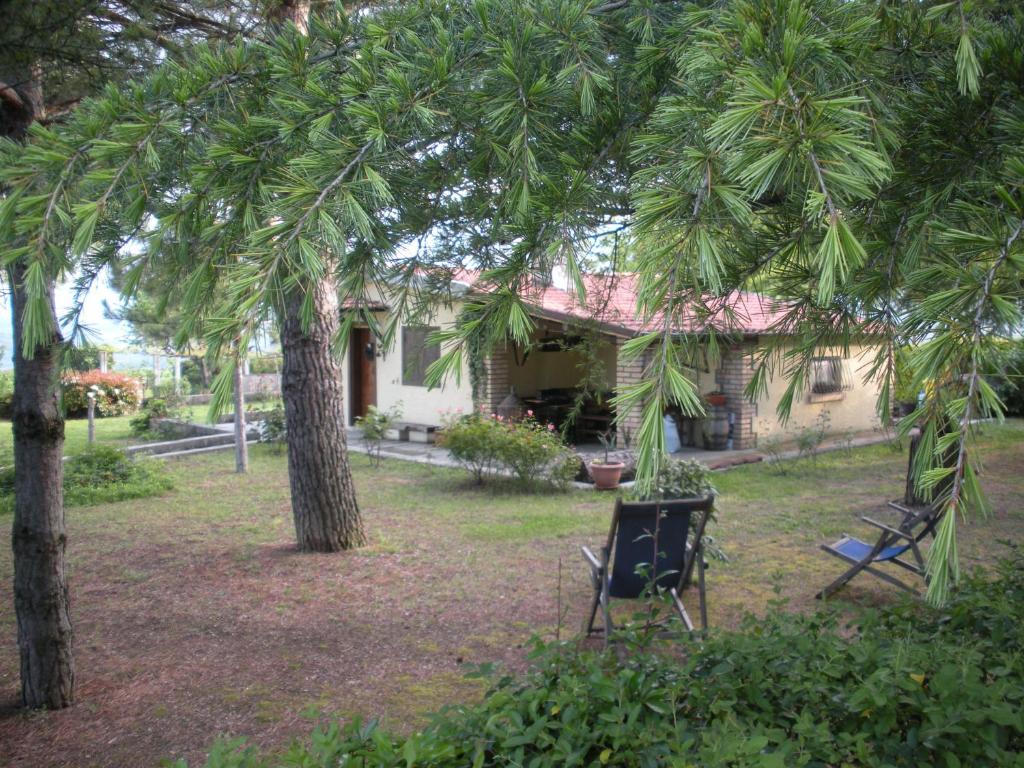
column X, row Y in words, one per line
column 627, row 565
column 893, row 545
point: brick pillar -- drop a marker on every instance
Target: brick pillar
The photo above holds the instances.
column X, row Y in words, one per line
column 626, row 373
column 496, row 384
column 735, row 372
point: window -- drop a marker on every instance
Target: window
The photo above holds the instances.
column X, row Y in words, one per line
column 827, row 375
column 417, row 354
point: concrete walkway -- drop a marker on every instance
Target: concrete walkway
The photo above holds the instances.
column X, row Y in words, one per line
column 426, row 453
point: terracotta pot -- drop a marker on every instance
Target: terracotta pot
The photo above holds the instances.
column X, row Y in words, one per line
column 606, row 476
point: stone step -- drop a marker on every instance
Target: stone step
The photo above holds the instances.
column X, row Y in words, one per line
column 220, row 439
column 195, row 451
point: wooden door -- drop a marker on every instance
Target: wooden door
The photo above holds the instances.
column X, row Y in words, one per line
column 362, row 372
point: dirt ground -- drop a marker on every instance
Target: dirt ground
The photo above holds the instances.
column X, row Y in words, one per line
column 195, row 617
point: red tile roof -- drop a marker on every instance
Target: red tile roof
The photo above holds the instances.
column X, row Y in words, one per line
column 611, row 300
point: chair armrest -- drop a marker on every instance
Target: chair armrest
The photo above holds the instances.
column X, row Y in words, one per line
column 889, row 528
column 899, row 507
column 591, row 559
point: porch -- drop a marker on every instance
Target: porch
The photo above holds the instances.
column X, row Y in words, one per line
column 564, row 362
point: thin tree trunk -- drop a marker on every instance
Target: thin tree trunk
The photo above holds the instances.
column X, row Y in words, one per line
column 241, row 447
column 324, row 505
column 38, row 536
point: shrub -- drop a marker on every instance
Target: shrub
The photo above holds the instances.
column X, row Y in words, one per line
column 116, row 394
column 475, row 442
column 152, row 409
column 273, row 428
column 100, row 475
column 265, row 364
column 374, row 425
column 904, row 686
column 6, row 393
column 489, row 445
column 534, row 452
column 683, row 479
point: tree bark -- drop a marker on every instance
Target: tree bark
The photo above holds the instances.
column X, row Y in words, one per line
column 241, row 447
column 324, row 504
column 38, row 536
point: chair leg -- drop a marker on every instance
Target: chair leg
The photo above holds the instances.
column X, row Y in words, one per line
column 702, row 590
column 681, row 610
column 836, row 585
column 604, row 598
column 588, row 626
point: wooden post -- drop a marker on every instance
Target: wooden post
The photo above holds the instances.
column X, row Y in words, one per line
column 241, row 448
column 92, row 417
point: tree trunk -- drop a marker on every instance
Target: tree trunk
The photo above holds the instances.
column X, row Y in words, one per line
column 38, row 536
column 241, row 447
column 324, row 505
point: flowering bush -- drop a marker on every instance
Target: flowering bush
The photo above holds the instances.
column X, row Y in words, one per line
column 487, row 445
column 116, row 394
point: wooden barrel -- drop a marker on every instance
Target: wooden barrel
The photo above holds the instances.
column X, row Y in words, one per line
column 717, row 427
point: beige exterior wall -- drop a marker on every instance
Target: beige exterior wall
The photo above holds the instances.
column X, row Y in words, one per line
column 853, row 410
column 419, row 405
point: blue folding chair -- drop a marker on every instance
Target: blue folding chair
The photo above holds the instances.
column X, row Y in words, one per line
column 894, row 543
column 650, row 544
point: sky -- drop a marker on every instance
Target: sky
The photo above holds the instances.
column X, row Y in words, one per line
column 105, row 331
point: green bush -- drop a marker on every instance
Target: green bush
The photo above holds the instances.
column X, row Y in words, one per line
column 374, row 425
column 100, row 475
column 265, row 364
column 154, row 408
column 490, row 445
column 274, row 428
column 903, row 686
column 116, row 394
column 684, row 479
column 6, row 393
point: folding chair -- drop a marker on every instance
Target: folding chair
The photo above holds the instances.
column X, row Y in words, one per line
column 637, row 529
column 892, row 546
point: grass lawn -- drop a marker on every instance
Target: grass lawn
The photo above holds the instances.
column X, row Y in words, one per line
column 194, row 616
column 111, row 431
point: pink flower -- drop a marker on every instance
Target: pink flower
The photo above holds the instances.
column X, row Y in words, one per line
column 530, row 414
column 494, row 415
column 551, row 427
column 458, row 410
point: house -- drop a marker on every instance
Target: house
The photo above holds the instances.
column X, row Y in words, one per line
column 573, row 343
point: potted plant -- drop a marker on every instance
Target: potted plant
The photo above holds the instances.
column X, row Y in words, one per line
column 606, row 473
column 715, row 398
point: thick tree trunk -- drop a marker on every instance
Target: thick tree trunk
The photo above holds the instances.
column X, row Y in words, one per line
column 324, row 505
column 38, row 536
column 241, row 447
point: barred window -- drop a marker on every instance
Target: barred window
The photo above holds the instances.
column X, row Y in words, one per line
column 827, row 375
